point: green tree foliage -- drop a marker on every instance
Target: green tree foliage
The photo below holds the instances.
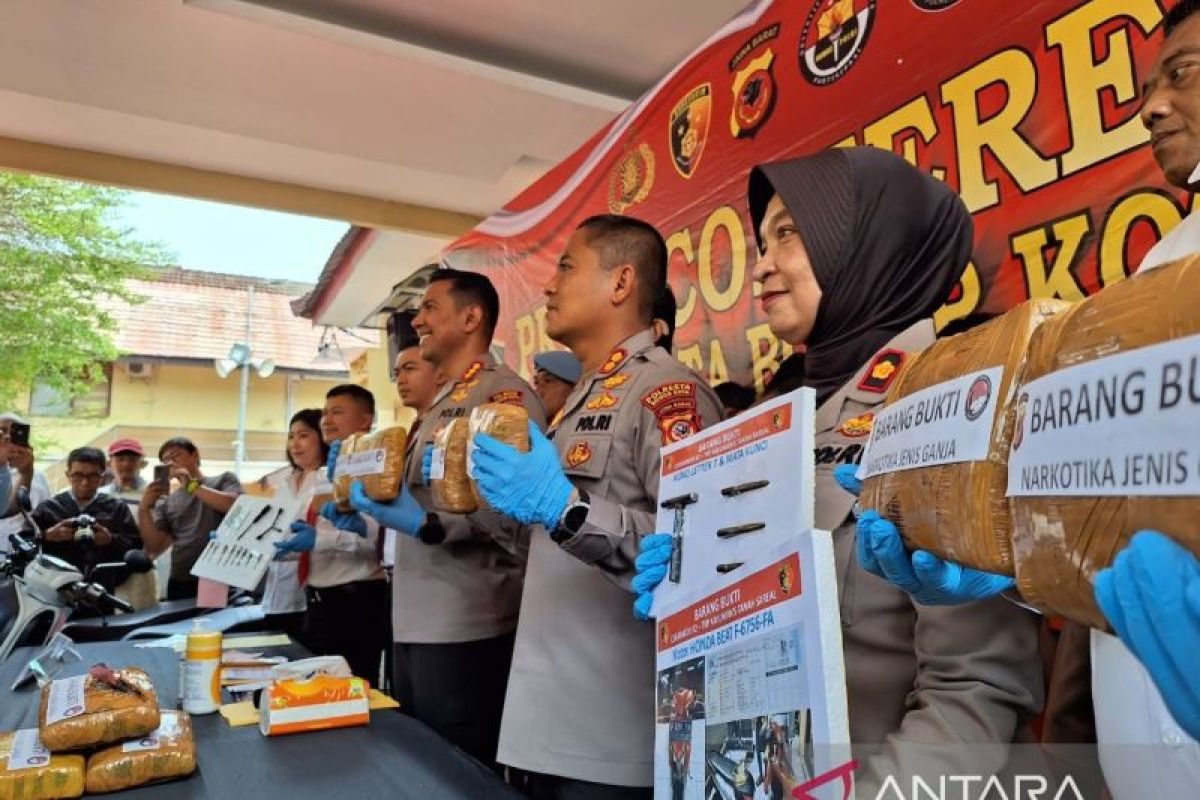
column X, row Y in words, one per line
column 63, row 261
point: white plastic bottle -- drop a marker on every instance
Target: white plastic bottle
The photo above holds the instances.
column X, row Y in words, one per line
column 202, row 670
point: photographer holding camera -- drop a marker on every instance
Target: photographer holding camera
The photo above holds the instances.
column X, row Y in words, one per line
column 81, row 525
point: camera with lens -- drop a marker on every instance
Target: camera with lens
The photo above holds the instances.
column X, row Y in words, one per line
column 83, row 528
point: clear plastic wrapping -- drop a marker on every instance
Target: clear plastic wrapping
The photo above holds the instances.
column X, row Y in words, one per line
column 61, row 776
column 376, row 459
column 453, row 489
column 165, row 754
column 107, row 713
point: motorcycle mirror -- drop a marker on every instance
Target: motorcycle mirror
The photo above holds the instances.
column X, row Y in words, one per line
column 137, row 562
column 23, row 500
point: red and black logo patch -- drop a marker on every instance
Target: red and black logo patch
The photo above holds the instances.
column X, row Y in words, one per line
column 674, row 406
column 753, row 85
column 882, row 371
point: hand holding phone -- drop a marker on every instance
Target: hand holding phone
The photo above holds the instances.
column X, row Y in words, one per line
column 18, row 433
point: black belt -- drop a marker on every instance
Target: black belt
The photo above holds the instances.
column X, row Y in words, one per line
column 316, row 594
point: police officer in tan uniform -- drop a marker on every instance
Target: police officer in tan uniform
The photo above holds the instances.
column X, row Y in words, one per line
column 858, row 250
column 580, row 710
column 457, row 586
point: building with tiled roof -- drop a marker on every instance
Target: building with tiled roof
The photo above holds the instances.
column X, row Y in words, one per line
column 164, row 383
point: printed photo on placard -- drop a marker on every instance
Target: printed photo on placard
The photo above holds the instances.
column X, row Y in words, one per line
column 762, row 758
column 681, row 691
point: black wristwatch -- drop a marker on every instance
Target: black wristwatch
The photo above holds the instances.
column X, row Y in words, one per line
column 572, row 519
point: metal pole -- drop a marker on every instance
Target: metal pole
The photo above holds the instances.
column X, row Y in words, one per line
column 240, row 451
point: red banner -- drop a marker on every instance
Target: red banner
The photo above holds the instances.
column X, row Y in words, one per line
column 1028, row 109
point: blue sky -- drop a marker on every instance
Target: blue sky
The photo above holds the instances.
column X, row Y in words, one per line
column 225, row 238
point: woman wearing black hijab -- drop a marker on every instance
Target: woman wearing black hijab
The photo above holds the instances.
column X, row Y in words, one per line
column 857, row 250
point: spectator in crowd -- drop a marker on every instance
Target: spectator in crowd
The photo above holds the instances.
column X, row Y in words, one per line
column 62, row 516
column 126, row 460
column 182, row 519
column 417, row 379
column 19, row 463
column 663, row 323
column 555, row 373
column 347, row 594
column 283, row 596
column 735, row 398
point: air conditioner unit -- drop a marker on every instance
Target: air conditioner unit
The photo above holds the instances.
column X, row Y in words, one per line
column 139, row 370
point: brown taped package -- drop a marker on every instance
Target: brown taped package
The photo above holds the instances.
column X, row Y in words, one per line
column 504, row 422
column 960, row 511
column 167, row 753
column 60, row 777
column 453, row 491
column 1060, row 543
column 109, row 715
column 382, row 485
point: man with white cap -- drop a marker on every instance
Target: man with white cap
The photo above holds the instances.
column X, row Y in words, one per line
column 555, row 373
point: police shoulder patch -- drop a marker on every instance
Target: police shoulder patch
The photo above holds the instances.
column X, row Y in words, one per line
column 674, row 406
column 881, row 371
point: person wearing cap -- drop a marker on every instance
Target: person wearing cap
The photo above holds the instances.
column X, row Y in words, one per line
column 126, row 460
column 555, row 373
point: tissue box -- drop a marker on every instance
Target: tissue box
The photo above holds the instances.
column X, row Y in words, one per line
column 314, row 704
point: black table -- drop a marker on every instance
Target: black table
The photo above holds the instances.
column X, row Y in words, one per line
column 394, row 757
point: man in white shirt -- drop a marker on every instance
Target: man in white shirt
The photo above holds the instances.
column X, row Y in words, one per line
column 348, row 613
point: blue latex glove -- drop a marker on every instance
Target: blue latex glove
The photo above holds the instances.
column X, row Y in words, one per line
column 529, row 487
column 331, row 461
column 427, row 464
column 846, row 476
column 303, row 539
column 344, row 521
column 403, row 514
column 652, row 563
column 930, row 580
column 1151, row 596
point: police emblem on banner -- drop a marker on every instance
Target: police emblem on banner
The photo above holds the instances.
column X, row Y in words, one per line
column 689, row 129
column 753, row 84
column 753, row 95
column 631, row 179
column 834, row 35
column 933, row 5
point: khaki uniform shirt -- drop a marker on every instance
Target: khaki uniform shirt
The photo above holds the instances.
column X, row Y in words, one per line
column 468, row 587
column 580, row 698
column 934, row 675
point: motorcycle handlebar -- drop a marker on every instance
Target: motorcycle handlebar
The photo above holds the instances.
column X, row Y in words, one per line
column 95, row 595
